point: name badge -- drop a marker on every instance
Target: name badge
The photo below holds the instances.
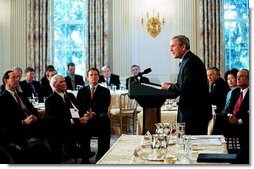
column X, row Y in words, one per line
column 74, row 113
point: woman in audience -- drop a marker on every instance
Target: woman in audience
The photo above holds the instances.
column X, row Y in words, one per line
column 230, row 76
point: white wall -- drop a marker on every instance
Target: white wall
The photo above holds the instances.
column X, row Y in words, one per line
column 144, row 50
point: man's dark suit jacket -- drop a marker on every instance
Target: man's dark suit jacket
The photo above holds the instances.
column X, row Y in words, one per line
column 240, row 130
column 58, row 112
column 114, row 80
column 44, row 81
column 99, row 125
column 27, row 89
column 218, row 94
column 192, row 87
column 12, row 116
column 78, row 81
column 2, row 88
column 99, row 104
column 133, row 79
column 46, row 91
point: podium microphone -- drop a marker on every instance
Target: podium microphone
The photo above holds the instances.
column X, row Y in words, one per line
column 146, row 71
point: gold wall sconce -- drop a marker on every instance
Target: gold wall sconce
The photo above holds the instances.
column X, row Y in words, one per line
column 152, row 22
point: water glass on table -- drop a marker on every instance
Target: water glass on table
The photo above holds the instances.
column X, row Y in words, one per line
column 180, row 133
column 187, row 146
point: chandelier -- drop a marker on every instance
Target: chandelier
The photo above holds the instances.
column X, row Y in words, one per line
column 152, row 22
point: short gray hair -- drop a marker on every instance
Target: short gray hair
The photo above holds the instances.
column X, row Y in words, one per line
column 17, row 68
column 105, row 67
column 54, row 79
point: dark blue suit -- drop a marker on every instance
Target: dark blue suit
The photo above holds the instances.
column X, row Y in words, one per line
column 100, row 125
column 242, row 130
column 192, row 87
column 78, row 81
column 114, row 80
column 12, row 116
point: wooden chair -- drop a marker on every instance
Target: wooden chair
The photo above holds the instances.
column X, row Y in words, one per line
column 125, row 114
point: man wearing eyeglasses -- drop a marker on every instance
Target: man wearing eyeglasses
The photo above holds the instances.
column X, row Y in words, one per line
column 19, row 119
column 18, row 73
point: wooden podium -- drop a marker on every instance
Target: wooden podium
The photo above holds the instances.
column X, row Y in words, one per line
column 151, row 97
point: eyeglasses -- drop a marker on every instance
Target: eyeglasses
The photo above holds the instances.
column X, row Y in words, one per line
column 14, row 78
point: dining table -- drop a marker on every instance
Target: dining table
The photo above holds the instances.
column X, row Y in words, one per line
column 134, row 149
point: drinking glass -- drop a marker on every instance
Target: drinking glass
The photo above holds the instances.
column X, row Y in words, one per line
column 187, row 146
column 44, row 99
column 180, row 133
column 163, row 144
column 159, row 128
column 167, row 128
column 113, row 88
column 155, row 146
column 36, row 100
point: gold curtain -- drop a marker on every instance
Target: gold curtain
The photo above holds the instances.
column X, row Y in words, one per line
column 38, row 35
column 98, row 46
column 212, row 40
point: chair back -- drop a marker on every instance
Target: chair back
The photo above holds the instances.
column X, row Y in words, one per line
column 127, row 104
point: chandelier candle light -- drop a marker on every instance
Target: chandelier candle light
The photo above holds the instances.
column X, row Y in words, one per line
column 152, row 22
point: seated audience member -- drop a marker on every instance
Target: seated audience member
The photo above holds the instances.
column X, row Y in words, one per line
column 18, row 72
column 94, row 101
column 66, row 130
column 72, row 80
column 232, row 83
column 135, row 70
column 29, row 86
column 47, row 90
column 109, row 78
column 237, row 123
column 44, row 79
column 20, row 123
column 219, row 89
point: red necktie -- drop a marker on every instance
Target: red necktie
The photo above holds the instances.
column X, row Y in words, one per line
column 238, row 103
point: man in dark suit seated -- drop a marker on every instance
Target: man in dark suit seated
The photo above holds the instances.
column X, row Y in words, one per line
column 135, row 70
column 237, row 121
column 66, row 131
column 72, row 80
column 19, row 121
column 219, row 89
column 44, row 79
column 29, row 86
column 94, row 101
column 109, row 78
column 217, row 96
column 47, row 90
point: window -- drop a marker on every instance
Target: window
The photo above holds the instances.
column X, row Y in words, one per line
column 70, row 25
column 236, row 27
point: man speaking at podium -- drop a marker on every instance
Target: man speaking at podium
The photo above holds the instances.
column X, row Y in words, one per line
column 192, row 87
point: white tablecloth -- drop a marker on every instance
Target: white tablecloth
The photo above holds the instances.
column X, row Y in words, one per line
column 122, row 152
column 167, row 116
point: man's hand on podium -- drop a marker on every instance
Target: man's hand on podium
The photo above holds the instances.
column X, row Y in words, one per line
column 165, row 85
